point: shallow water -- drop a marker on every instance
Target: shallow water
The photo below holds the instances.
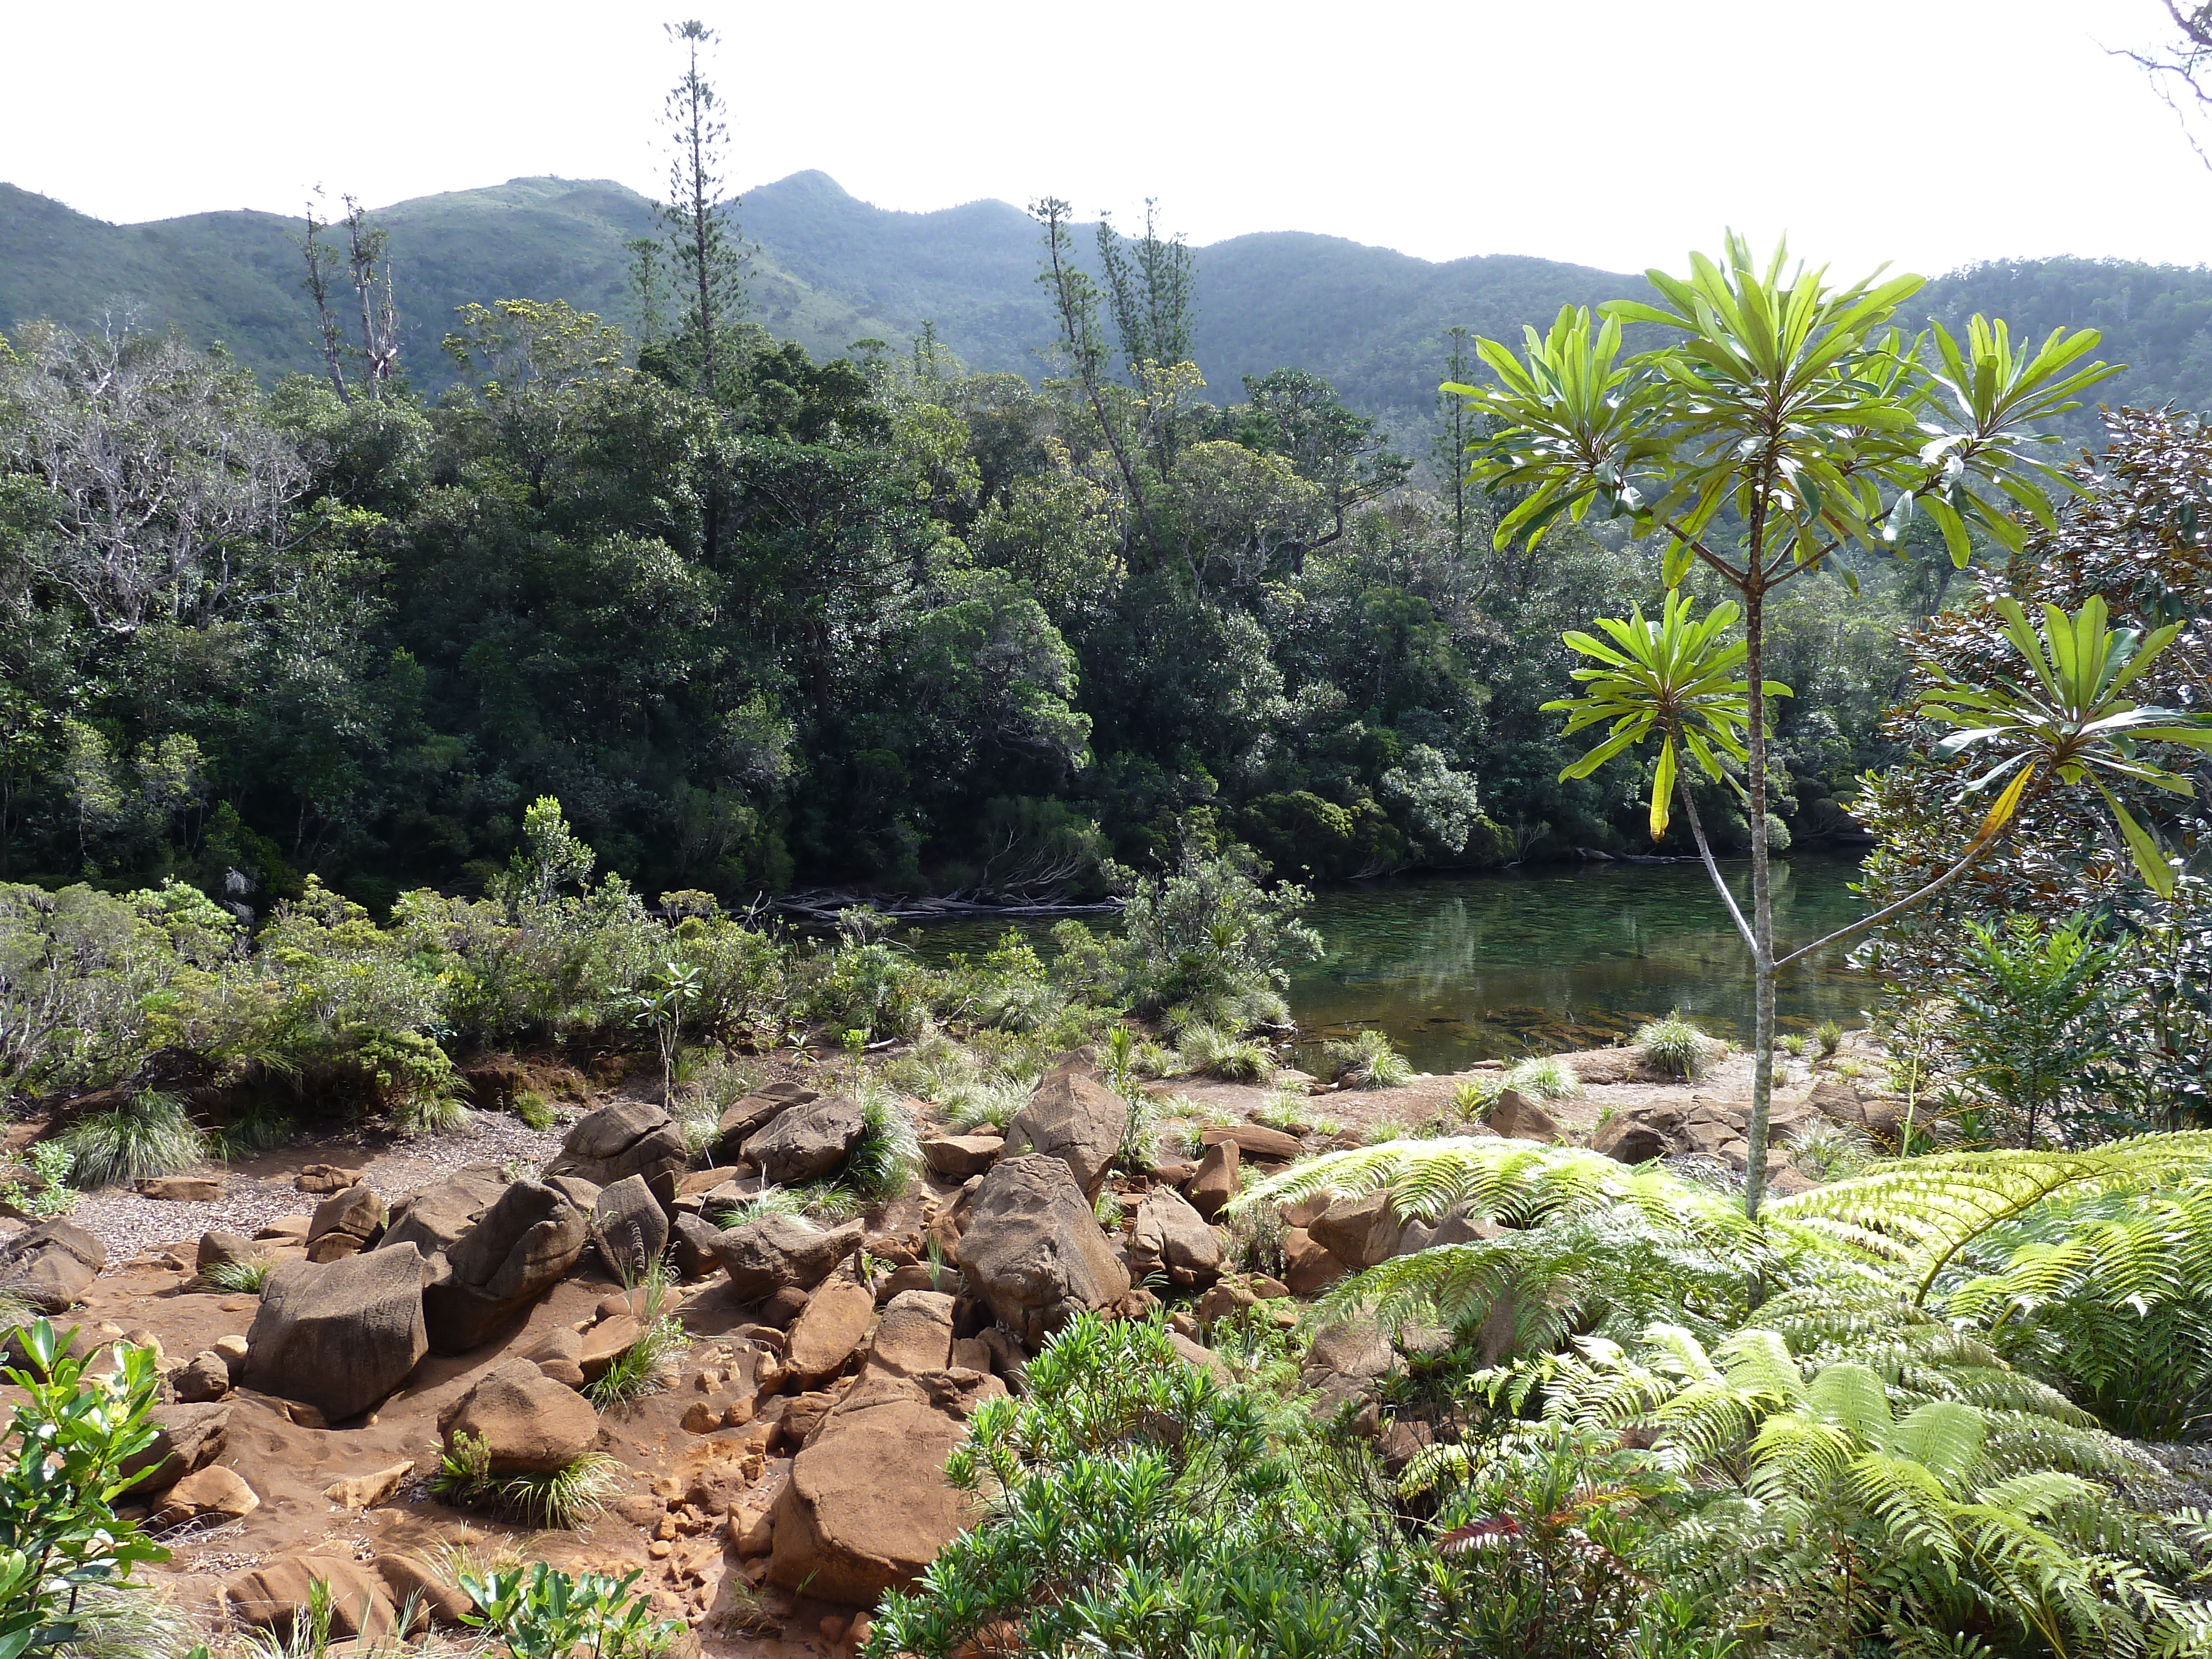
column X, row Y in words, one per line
column 1462, row 968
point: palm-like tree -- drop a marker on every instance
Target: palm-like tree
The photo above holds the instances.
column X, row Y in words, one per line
column 1784, row 423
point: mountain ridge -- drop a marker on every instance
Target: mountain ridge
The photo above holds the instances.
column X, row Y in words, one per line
column 830, row 269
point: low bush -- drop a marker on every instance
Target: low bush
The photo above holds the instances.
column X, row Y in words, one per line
column 548, row 1614
column 1233, row 1060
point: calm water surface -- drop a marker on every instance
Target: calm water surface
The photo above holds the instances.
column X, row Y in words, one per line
column 1457, row 968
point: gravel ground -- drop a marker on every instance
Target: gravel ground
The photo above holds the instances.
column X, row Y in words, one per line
column 259, row 1191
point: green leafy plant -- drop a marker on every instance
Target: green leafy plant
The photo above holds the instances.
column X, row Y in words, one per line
column 1233, row 1060
column 546, row 1613
column 1829, row 1036
column 1471, row 1101
column 884, row 1160
column 1780, row 406
column 660, row 1007
column 2029, row 1017
column 148, row 1134
column 1676, row 1047
column 73, row 1429
column 1793, row 1045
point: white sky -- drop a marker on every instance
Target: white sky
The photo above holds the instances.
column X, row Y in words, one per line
column 1613, row 132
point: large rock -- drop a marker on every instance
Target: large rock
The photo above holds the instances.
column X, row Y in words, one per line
column 340, row 1335
column 358, row 1213
column 513, row 1253
column 52, row 1264
column 744, row 1118
column 958, row 1156
column 866, row 1507
column 806, row 1142
column 530, row 1424
column 185, row 1438
column 1629, row 1140
column 1217, row 1179
column 1172, row 1238
column 218, row 1247
column 407, row 1577
column 1519, row 1118
column 623, row 1138
column 1256, row 1140
column 1346, row 1358
column 269, row 1596
column 694, row 1243
column 1359, row 1231
column 1073, row 1118
column 1308, row 1265
column 214, row 1492
column 437, row 1218
column 830, row 1330
column 629, row 1227
column 1034, row 1250
column 774, row 1253
column 914, row 1334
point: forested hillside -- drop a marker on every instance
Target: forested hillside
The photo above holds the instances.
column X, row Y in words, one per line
column 829, row 270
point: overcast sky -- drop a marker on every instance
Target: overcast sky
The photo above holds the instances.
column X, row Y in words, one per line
column 1616, row 133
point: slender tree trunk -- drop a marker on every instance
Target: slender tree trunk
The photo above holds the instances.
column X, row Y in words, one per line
column 1762, row 904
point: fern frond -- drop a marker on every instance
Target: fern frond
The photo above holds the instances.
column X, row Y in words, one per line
column 1913, row 1217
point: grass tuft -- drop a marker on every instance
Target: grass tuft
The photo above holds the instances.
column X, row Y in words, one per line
column 244, row 1277
column 1676, row 1047
column 148, row 1134
column 1546, row 1077
column 565, row 1498
column 1366, row 1060
column 648, row 1365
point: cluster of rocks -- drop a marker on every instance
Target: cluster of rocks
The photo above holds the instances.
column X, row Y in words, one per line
column 1716, row 1129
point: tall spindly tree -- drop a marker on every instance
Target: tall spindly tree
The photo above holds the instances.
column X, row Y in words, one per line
column 1781, row 421
column 708, row 253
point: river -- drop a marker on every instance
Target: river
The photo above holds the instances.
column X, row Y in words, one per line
column 1462, row 968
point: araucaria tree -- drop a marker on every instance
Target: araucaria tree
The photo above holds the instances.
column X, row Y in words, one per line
column 1783, row 423
column 702, row 234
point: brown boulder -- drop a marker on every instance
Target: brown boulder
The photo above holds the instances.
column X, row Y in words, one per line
column 1171, row 1237
column 519, row 1247
column 691, row 1241
column 1256, row 1140
column 1629, row 1140
column 52, row 1264
column 914, row 1335
column 181, row 1189
column 957, row 1157
column 218, row 1247
column 805, row 1142
column 743, row 1118
column 832, row 1326
column 773, row 1253
column 1217, row 1179
column 1307, row 1265
column 1517, row 1117
column 623, row 1138
column 1076, row 1119
column 435, row 1600
column 214, row 1491
column 324, row 1178
column 630, row 1228
column 339, row 1337
column 185, row 1438
column 530, row 1424
column 1034, row 1250
column 866, row 1507
column 267, row 1597
column 358, row 1213
column 206, row 1377
column 1359, row 1231
column 440, row 1216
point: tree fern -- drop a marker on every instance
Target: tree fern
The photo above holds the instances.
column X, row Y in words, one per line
column 1912, row 1218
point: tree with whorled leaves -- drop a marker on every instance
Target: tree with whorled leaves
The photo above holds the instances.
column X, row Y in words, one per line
column 1782, row 421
